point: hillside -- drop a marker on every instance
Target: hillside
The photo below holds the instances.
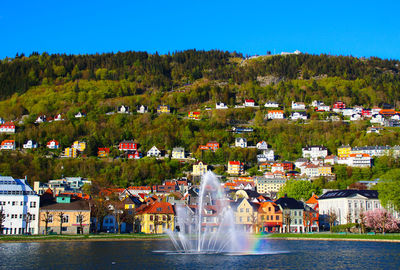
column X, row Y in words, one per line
column 186, row 81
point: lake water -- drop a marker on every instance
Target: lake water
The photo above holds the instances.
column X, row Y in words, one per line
column 280, row 254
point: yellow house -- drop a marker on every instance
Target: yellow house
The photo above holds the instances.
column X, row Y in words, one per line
column 80, row 146
column 70, row 152
column 199, row 168
column 344, row 151
column 156, row 217
column 163, row 109
column 324, row 170
column 235, row 167
column 246, row 215
column 270, row 217
column 267, row 185
column 75, row 216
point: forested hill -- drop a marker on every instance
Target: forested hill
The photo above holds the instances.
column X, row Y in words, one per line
column 163, row 72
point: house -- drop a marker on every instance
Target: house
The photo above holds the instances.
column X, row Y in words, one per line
column 199, row 168
column 317, row 103
column 344, row 151
column 194, row 115
column 30, row 144
column 271, row 104
column 239, row 130
column 7, row 127
column 298, row 105
column 387, row 112
column 156, row 217
column 366, row 113
column 311, row 170
column 58, row 117
column 213, row 146
column 348, row 204
column 270, row 217
column 241, row 142
column 134, row 154
column 375, row 110
column 8, row 145
column 313, row 223
column 178, row 153
column 235, row 167
column 323, row 108
column 373, row 151
column 377, row 119
column 65, row 216
column 245, row 215
column 154, row 152
column 267, row 185
column 53, row 144
column 275, row 114
column 324, row 170
column 267, row 155
column 127, row 146
column 339, row 105
column 332, row 160
column 20, row 206
column 123, row 109
column 360, row 160
column 262, row 145
column 103, row 152
column 298, row 115
column 293, row 212
column 374, row 130
column 64, row 185
column 40, row 119
column 70, row 152
column 220, row 106
column 163, row 109
column 348, row 112
column 142, row 109
column 79, row 146
column 356, row 117
column 80, row 114
column 249, row 103
column 315, row 152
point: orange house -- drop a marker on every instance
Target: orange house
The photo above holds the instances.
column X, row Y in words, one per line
column 312, row 223
column 194, row 115
column 270, row 217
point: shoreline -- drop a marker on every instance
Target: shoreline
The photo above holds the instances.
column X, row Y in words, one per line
column 66, row 238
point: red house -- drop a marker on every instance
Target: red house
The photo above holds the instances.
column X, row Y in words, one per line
column 127, row 146
column 7, row 127
column 134, row 155
column 214, row 146
column 103, row 151
column 339, row 105
column 366, row 113
column 194, row 115
column 53, row 144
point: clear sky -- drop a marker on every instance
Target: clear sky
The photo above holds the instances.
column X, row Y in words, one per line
column 358, row 28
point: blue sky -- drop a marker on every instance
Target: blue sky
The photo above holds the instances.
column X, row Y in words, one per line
column 359, row 28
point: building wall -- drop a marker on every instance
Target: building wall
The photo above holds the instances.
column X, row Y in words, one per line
column 148, row 226
column 70, row 227
column 15, row 207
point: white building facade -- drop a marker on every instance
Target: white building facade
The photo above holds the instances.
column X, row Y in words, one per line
column 20, row 205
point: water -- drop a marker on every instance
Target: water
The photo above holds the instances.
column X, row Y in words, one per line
column 283, row 254
column 210, row 226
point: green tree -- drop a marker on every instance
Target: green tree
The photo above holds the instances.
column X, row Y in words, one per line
column 389, row 189
column 298, row 189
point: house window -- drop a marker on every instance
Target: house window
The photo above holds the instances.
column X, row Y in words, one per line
column 267, row 217
column 50, row 218
column 241, row 210
column 79, row 218
column 262, row 218
column 151, row 218
column 248, row 219
column 269, row 209
column 65, row 218
column 247, row 210
column 277, row 217
column 240, row 219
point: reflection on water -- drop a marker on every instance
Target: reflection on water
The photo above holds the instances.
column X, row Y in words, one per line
column 278, row 254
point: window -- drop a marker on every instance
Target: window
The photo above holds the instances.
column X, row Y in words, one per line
column 248, row 219
column 262, row 218
column 65, row 218
column 247, row 210
column 276, row 217
column 79, row 218
column 151, row 218
column 64, row 229
column 240, row 219
column 13, row 203
column 50, row 218
column 267, row 217
column 269, row 209
column 241, row 210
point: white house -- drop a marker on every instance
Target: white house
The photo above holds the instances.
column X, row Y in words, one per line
column 377, row 150
column 323, row 108
column 80, row 115
column 348, row 204
column 221, row 105
column 375, row 110
column 249, row 103
column 20, row 205
column 275, row 114
column 348, row 112
column 40, row 119
column 178, row 153
column 262, row 145
column 7, row 127
column 298, row 115
column 241, row 142
column 377, row 119
column 30, row 144
column 360, row 160
column 123, row 109
column 268, row 154
column 8, row 145
column 154, row 152
column 271, row 104
column 315, row 152
column 58, row 117
column 142, row 109
column 356, row 117
column 298, row 105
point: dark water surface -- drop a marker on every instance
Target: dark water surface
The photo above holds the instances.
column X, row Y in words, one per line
column 282, row 254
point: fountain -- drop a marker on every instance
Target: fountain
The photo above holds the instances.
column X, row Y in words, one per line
column 209, row 226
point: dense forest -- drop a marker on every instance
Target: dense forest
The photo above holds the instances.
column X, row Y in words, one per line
column 189, row 80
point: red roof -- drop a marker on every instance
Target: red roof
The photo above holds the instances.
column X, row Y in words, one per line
column 156, row 208
column 235, row 163
column 313, row 199
column 249, row 100
column 7, row 142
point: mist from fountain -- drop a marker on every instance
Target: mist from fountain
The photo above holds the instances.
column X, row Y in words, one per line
column 210, row 227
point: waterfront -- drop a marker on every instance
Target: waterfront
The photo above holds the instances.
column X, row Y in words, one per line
column 278, row 254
